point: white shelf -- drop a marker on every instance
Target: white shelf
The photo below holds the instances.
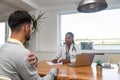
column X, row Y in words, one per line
column 100, row 51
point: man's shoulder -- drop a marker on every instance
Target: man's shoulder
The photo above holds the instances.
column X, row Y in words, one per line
column 15, row 49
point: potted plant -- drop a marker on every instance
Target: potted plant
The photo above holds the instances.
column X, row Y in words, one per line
column 99, row 65
column 35, row 25
column 36, row 21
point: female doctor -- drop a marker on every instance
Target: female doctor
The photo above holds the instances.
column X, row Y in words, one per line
column 69, row 48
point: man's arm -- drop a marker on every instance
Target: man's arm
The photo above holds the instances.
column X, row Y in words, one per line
column 28, row 72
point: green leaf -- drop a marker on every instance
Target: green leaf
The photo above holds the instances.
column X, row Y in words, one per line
column 26, row 44
column 36, row 22
column 99, row 62
column 39, row 16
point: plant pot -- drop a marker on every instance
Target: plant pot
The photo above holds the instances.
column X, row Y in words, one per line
column 99, row 69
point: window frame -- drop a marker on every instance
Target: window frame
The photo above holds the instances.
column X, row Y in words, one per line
column 89, row 40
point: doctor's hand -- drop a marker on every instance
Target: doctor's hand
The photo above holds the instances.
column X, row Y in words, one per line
column 54, row 60
column 64, row 61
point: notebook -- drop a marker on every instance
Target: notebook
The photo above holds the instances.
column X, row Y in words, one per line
column 84, row 59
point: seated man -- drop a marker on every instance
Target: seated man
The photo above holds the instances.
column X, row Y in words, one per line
column 14, row 61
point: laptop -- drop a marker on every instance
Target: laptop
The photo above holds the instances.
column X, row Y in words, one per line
column 84, row 59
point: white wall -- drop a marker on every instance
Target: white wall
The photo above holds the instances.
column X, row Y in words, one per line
column 47, row 44
column 44, row 42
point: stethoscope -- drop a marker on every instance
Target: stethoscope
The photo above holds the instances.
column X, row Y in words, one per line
column 73, row 48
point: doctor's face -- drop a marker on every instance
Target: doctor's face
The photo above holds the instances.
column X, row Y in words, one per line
column 68, row 39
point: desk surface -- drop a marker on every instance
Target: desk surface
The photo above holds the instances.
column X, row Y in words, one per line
column 80, row 73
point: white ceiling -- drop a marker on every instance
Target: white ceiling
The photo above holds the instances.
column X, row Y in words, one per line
column 49, row 3
column 7, row 6
column 54, row 3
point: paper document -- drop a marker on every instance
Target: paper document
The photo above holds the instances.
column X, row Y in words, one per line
column 51, row 63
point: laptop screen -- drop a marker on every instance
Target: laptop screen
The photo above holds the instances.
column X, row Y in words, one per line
column 84, row 59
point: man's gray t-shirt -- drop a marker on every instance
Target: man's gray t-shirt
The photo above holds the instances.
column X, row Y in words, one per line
column 14, row 64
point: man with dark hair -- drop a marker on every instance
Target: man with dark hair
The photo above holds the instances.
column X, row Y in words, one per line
column 14, row 56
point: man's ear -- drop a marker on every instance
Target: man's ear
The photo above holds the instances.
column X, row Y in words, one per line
column 25, row 27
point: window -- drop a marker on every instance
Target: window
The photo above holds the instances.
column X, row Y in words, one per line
column 2, row 33
column 101, row 27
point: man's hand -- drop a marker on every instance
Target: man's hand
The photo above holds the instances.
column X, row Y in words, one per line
column 32, row 59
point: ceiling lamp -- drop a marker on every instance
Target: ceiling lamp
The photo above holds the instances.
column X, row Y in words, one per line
column 88, row 6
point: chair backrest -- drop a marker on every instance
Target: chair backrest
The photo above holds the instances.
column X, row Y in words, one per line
column 2, row 77
column 114, row 59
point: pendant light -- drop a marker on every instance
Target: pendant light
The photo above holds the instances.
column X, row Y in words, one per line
column 89, row 6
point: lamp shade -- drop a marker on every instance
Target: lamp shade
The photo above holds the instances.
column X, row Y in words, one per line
column 88, row 6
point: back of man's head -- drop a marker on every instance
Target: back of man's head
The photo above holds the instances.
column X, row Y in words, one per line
column 17, row 18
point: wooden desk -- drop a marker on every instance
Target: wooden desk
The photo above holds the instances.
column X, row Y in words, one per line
column 81, row 73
